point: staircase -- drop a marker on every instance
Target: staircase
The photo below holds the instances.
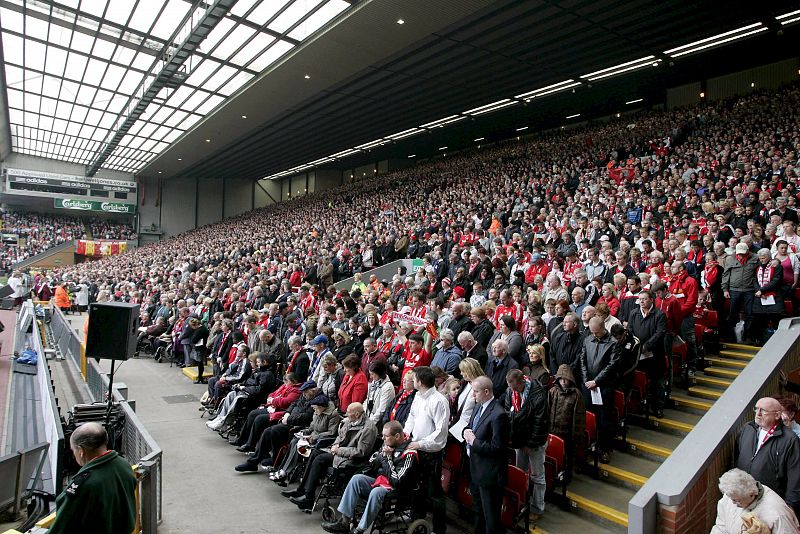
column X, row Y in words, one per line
column 601, row 505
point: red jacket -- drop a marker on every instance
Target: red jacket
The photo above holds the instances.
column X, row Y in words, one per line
column 684, row 287
column 352, row 389
column 672, row 309
column 281, row 399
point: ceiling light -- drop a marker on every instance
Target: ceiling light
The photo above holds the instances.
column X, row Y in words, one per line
column 478, row 139
column 629, row 102
column 412, row 156
column 159, row 172
column 244, row 116
column 642, row 62
column 494, row 106
column 208, row 140
column 442, row 148
column 702, row 95
column 521, row 128
column 307, row 76
column 554, row 88
column 618, row 115
column 371, row 144
column 443, row 122
column 180, row 159
column 405, row 133
column 752, row 84
column 401, row 21
column 573, row 116
column 344, row 153
column 716, row 40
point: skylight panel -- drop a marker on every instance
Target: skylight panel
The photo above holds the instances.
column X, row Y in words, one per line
column 48, row 106
column 130, row 82
column 292, row 14
column 236, row 83
column 216, row 35
column 227, row 47
column 143, row 19
column 318, row 19
column 34, row 27
column 243, row 6
column 60, row 35
column 56, row 57
column 169, row 19
column 34, row 55
column 172, row 135
column 76, row 64
column 212, row 102
column 119, row 11
column 142, row 61
column 176, row 118
column 264, row 12
column 10, row 18
column 193, row 101
column 63, row 110
column 221, row 76
column 32, row 102
column 256, row 46
column 202, row 71
column 82, row 43
column 95, row 70
column 95, row 7
column 12, row 49
column 147, row 129
column 190, row 121
column 269, row 57
column 112, row 77
column 15, row 98
column 179, row 96
column 14, row 76
column 79, row 113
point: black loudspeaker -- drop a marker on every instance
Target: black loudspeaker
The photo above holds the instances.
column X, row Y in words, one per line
column 6, row 291
column 112, row 330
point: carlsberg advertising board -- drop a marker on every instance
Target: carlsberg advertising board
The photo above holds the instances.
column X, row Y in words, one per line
column 93, row 205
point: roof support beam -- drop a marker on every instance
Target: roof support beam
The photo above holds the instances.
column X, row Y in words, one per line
column 174, row 60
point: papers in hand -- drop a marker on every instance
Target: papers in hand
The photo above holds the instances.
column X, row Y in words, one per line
column 457, row 430
column 597, row 398
column 768, row 301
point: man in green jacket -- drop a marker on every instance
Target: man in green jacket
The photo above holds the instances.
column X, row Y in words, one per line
column 100, row 499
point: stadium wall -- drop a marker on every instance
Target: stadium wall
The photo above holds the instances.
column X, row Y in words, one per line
column 33, row 163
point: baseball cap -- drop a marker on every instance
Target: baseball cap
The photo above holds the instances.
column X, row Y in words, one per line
column 742, row 248
column 319, row 400
column 322, row 338
column 308, row 385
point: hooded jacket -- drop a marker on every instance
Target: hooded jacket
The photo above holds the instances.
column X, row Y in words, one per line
column 567, row 411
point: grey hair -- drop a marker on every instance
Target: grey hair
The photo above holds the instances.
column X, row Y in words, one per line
column 446, row 333
column 738, row 484
column 295, row 340
column 465, row 336
column 765, row 252
column 90, row 437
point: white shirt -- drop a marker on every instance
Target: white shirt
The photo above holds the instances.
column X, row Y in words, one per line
column 428, row 420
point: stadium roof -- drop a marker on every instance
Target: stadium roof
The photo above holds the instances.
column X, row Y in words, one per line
column 256, row 88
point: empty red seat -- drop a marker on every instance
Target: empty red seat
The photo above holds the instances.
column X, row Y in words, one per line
column 712, row 319
column 789, row 308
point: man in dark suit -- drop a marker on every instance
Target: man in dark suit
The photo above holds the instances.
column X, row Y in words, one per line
column 487, row 438
column 472, row 349
column 498, row 367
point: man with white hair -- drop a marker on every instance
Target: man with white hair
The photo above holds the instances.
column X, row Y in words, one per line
column 771, row 452
column 447, row 356
column 746, row 499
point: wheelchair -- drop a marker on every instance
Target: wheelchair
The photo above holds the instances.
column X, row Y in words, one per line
column 395, row 516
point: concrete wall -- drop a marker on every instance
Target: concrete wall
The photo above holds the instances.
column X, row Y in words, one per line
column 238, row 197
column 267, row 192
column 327, row 180
column 178, row 205
column 683, row 95
column 769, row 76
column 209, row 201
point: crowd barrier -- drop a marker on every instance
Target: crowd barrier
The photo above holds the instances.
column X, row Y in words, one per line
column 384, row 272
column 682, row 495
column 139, row 447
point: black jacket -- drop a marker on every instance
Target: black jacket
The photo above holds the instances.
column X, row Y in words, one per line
column 600, row 360
column 300, row 413
column 650, row 330
column 530, row 426
column 402, row 411
column 776, row 462
column 488, row 461
column 483, row 332
column 260, row 384
column 497, row 374
column 402, row 469
column 566, row 348
column 478, row 352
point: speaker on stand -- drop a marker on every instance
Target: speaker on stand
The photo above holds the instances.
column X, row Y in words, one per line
column 111, row 335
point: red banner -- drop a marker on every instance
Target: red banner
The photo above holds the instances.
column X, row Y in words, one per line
column 100, row 248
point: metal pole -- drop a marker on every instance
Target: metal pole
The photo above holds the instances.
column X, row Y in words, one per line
column 147, row 494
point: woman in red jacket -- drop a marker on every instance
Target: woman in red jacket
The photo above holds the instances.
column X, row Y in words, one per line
column 281, row 398
column 354, row 384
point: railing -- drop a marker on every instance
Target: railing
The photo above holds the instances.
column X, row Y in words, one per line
column 681, row 496
column 139, row 447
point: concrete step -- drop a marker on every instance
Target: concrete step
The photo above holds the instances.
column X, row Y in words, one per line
column 705, row 393
column 628, row 470
column 721, row 372
column 712, row 381
column 740, row 347
column 651, row 444
column 688, row 402
column 737, row 355
column 726, row 362
column 667, row 424
column 605, row 502
column 558, row 521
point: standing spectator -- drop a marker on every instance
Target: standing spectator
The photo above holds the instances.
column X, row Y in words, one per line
column 771, row 452
column 599, row 367
column 648, row 324
column 768, row 302
column 684, row 288
column 486, row 440
column 738, row 281
column 498, row 367
column 567, row 412
column 427, row 425
column 526, row 403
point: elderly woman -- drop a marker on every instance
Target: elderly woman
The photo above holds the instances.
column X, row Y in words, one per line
column 749, row 507
column 400, row 407
column 330, row 378
column 379, row 393
column 354, row 383
column 768, row 299
column 508, row 332
column 344, row 345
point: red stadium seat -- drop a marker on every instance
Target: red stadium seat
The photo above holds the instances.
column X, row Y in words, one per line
column 463, row 494
column 451, row 466
column 789, row 308
column 515, row 500
column 555, row 460
column 712, row 319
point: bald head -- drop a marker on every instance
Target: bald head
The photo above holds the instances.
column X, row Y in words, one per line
column 768, row 412
column 89, row 441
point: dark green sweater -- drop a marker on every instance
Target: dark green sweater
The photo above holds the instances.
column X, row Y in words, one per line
column 100, row 499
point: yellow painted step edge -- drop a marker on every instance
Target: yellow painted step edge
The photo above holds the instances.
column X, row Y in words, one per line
column 750, row 348
column 705, row 393
column 191, row 372
column 727, row 362
column 594, row 507
column 671, row 423
column 635, row 444
column 712, row 381
column 692, row 403
column 721, row 371
column 736, row 355
column 610, row 471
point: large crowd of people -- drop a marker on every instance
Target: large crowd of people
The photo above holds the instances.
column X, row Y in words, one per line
column 552, row 268
column 26, row 234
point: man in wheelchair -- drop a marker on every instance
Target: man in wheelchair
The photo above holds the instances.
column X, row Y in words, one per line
column 355, row 440
column 392, row 469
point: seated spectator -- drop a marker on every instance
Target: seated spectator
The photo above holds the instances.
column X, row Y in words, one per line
column 749, row 506
column 273, row 410
column 394, row 468
column 331, row 376
column 238, row 371
column 400, row 406
column 354, row 442
column 257, row 386
column 354, row 384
